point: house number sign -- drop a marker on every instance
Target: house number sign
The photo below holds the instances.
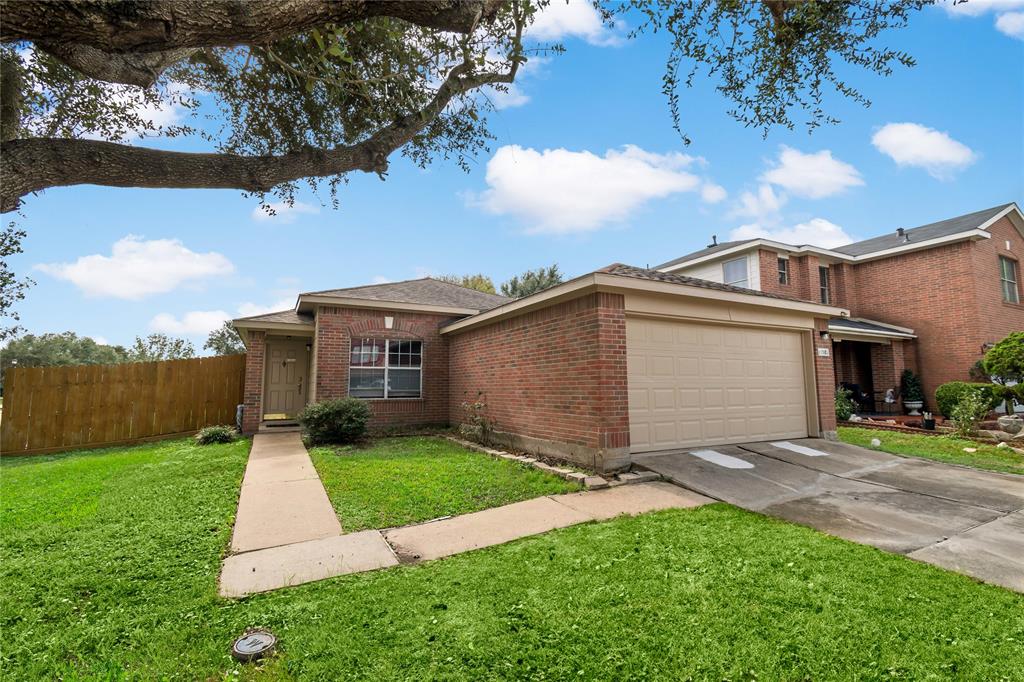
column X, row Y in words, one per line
column 823, row 352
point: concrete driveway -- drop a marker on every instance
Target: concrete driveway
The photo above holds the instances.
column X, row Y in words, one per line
column 959, row 518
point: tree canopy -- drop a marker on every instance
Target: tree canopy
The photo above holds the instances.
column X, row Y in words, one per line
column 479, row 281
column 224, row 340
column 160, row 347
column 67, row 348
column 532, row 281
column 1005, row 360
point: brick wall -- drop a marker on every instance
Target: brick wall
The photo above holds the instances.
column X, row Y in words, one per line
column 334, row 332
column 554, row 377
column 996, row 318
column 825, row 379
column 803, row 276
column 253, row 394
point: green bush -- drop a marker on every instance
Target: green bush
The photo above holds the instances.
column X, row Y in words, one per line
column 335, row 421
column 845, row 407
column 969, row 410
column 216, row 434
column 1006, row 359
column 948, row 395
column 910, row 386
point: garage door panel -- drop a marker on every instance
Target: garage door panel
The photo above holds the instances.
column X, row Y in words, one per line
column 704, row 384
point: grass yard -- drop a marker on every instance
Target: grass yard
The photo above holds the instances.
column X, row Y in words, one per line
column 110, row 563
column 939, row 448
column 398, row 481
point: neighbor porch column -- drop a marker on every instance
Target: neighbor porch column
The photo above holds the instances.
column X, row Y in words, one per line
column 825, row 378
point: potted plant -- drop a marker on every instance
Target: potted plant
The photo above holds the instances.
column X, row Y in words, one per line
column 913, row 393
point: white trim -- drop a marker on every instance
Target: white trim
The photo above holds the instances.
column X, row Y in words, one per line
column 293, row 328
column 856, row 331
column 381, row 305
column 977, row 233
column 604, row 281
column 887, row 325
column 386, row 368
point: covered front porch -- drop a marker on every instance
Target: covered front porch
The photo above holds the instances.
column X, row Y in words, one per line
column 869, row 357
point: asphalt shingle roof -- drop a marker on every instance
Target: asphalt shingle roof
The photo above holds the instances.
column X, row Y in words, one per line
column 281, row 316
column 866, row 325
column 655, row 276
column 943, row 228
column 703, row 252
column 425, row 291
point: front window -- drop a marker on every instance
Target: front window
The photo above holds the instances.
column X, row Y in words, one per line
column 1008, row 277
column 734, row 272
column 385, row 368
column 823, row 281
column 783, row 271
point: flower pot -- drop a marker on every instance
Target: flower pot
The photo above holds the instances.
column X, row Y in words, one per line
column 929, row 424
column 914, row 406
column 1011, row 424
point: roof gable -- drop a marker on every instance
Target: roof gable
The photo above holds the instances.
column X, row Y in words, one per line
column 704, row 252
column 424, row 291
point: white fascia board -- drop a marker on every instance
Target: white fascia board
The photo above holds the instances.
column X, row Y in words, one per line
column 857, row 331
column 524, row 305
column 1016, row 217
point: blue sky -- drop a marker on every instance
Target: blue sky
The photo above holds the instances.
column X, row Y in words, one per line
column 585, row 171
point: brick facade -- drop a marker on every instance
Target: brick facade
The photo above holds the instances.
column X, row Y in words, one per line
column 554, row 377
column 252, row 396
column 825, row 380
column 335, row 329
column 949, row 295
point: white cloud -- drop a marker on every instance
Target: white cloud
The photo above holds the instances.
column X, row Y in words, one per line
column 817, row 231
column 101, row 340
column 380, row 279
column 812, row 176
column 195, row 323
column 912, row 144
column 572, row 19
column 562, row 191
column 138, row 268
column 283, row 213
column 285, row 302
column 764, row 206
column 1012, row 24
column 1009, row 17
column 711, row 193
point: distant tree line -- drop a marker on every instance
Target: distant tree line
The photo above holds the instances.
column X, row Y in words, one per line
column 530, row 282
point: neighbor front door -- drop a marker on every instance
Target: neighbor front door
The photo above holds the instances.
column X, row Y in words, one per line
column 286, row 385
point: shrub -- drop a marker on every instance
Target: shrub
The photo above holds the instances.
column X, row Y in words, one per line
column 910, row 386
column 1005, row 360
column 216, row 434
column 335, row 421
column 970, row 409
column 477, row 427
column 948, row 395
column 845, row 407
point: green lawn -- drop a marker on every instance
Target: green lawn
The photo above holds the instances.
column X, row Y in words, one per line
column 939, row 448
column 110, row 562
column 397, row 481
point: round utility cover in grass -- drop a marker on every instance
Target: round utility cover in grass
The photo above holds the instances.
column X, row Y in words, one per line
column 253, row 645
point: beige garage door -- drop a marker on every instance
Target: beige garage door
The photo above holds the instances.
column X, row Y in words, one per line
column 703, row 384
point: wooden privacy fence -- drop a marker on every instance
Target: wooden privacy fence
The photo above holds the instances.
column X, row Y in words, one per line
column 49, row 409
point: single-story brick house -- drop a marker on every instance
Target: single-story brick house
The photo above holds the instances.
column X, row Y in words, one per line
column 617, row 361
column 932, row 298
column 735, row 343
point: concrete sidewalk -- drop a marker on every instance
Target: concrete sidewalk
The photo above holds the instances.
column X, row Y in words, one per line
column 276, row 545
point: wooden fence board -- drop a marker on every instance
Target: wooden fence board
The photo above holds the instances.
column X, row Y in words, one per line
column 49, row 409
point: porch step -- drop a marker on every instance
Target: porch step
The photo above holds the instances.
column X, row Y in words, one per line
column 282, row 426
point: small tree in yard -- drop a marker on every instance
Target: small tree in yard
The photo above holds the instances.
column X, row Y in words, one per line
column 969, row 411
column 224, row 340
column 845, row 407
column 1004, row 362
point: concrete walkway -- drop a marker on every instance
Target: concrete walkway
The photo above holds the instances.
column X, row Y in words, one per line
column 287, row 533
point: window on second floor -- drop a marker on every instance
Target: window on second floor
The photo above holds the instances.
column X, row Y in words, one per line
column 826, row 297
column 734, row 272
column 1008, row 278
column 783, row 271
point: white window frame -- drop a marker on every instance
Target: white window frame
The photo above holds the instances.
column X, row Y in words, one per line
column 386, row 368
column 1012, row 279
column 825, row 284
column 783, row 272
column 745, row 282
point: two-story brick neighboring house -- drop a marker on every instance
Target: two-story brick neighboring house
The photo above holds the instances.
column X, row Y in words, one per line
column 931, row 298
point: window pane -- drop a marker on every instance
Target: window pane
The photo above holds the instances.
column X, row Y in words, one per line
column 367, row 353
column 783, row 271
column 735, row 272
column 366, row 383
column 404, row 353
column 403, row 383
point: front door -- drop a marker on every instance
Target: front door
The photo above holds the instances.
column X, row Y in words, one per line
column 285, row 391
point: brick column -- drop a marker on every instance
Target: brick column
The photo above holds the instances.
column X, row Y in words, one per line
column 825, row 379
column 333, row 347
column 252, row 397
column 613, row 395
column 887, row 364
